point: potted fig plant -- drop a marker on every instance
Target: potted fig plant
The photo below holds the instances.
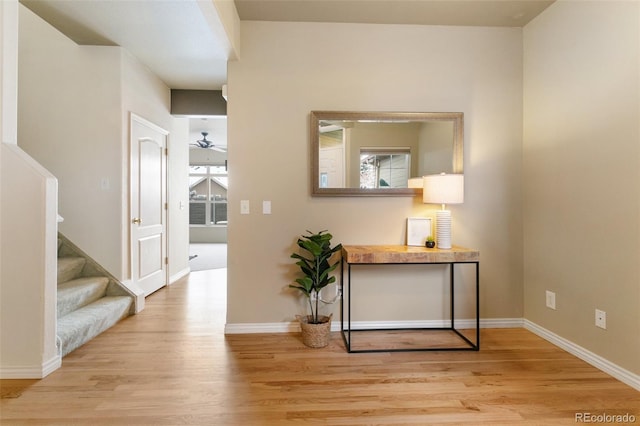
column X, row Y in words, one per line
column 316, row 264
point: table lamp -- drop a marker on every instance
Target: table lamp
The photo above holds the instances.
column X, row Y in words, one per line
column 415, row 182
column 443, row 189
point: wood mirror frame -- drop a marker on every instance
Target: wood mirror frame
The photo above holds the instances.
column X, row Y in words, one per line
column 316, row 117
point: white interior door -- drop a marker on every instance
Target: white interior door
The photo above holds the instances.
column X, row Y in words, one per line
column 148, row 204
column 331, row 167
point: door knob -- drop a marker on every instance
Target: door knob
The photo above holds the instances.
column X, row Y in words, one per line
column 136, row 220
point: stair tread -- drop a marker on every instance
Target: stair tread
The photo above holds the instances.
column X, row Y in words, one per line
column 94, row 307
column 79, row 292
column 82, row 325
column 69, row 268
column 81, row 281
column 71, row 260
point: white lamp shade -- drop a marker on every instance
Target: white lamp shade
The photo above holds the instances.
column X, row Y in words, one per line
column 415, row 182
column 443, row 189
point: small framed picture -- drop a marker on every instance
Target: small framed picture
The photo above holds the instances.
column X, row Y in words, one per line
column 418, row 229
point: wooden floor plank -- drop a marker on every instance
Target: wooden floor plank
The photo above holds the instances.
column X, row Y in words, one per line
column 172, row 365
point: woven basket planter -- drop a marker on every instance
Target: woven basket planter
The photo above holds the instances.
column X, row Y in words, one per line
column 315, row 335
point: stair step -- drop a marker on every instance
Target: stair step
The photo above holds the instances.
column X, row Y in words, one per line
column 82, row 325
column 79, row 292
column 69, row 268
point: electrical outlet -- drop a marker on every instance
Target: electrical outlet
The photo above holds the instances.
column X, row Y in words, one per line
column 551, row 299
column 601, row 319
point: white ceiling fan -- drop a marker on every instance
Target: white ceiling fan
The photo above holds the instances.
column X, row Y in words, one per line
column 206, row 143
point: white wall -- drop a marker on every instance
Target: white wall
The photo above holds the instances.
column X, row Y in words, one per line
column 8, row 71
column 69, row 120
column 582, row 174
column 28, row 201
column 74, row 109
column 178, row 200
column 28, row 267
column 289, row 69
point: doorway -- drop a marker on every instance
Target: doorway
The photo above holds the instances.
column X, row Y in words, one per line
column 208, row 185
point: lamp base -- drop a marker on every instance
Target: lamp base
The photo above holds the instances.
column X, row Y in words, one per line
column 443, row 229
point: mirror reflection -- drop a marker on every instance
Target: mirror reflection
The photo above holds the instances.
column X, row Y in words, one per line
column 368, row 153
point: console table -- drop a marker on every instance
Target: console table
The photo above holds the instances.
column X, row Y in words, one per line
column 401, row 255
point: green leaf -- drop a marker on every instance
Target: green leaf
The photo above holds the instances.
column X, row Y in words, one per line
column 311, row 246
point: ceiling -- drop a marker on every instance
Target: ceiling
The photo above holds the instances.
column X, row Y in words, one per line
column 183, row 42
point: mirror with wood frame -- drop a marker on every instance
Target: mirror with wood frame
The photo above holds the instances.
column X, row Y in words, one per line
column 376, row 153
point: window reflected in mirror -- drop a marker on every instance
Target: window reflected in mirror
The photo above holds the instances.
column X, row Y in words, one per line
column 384, row 167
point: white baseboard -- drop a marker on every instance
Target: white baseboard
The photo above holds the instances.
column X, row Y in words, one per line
column 175, row 277
column 625, row 376
column 265, row 327
column 31, row 372
column 291, row 327
column 501, row 322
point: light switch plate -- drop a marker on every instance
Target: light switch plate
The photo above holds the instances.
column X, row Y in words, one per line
column 244, row 207
column 105, row 184
column 266, row 207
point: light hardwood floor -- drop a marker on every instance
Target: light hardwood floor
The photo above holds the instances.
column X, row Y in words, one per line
column 172, row 365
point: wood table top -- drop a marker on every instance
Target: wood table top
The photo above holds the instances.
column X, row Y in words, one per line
column 407, row 254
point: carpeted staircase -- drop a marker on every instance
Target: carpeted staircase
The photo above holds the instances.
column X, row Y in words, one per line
column 90, row 300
